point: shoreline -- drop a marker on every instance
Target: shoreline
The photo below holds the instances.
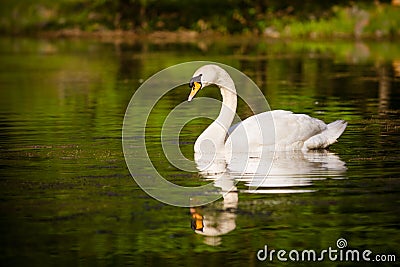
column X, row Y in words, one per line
column 190, row 36
column 151, row 22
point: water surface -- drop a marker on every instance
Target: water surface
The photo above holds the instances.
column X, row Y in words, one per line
column 68, row 198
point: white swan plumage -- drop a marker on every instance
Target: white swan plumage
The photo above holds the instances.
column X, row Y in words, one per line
column 276, row 130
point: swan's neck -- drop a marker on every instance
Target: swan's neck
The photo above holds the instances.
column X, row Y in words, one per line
column 228, row 109
column 213, row 138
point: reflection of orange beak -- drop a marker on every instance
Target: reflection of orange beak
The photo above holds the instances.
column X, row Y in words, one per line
column 197, row 220
column 196, row 87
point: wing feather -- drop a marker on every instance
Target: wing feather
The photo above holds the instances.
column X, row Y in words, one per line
column 278, row 128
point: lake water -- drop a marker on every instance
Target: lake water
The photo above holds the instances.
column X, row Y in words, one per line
column 67, row 197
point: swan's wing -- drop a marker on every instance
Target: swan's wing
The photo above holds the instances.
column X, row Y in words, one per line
column 279, row 129
column 295, row 128
column 328, row 136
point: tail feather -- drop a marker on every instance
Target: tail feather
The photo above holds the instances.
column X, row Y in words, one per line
column 336, row 128
column 327, row 137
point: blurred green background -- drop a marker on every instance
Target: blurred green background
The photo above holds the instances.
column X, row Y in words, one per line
column 295, row 19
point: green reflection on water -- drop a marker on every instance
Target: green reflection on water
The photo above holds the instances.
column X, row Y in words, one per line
column 68, row 198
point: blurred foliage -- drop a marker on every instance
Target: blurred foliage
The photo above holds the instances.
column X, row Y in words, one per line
column 269, row 17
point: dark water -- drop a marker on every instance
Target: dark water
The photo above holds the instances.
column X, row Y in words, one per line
column 67, row 197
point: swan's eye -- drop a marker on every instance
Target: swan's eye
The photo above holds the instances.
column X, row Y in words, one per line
column 194, row 80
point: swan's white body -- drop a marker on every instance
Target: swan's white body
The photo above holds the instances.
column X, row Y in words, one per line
column 276, row 130
column 281, row 130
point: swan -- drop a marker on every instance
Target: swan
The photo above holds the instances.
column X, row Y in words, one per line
column 276, row 130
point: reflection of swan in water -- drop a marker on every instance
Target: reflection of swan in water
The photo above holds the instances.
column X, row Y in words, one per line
column 290, row 170
column 279, row 172
column 280, row 169
column 212, row 222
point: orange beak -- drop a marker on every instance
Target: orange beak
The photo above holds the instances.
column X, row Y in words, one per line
column 196, row 87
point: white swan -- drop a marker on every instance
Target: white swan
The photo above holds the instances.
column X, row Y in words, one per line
column 276, row 130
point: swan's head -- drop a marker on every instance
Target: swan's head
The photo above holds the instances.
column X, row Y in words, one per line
column 204, row 76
